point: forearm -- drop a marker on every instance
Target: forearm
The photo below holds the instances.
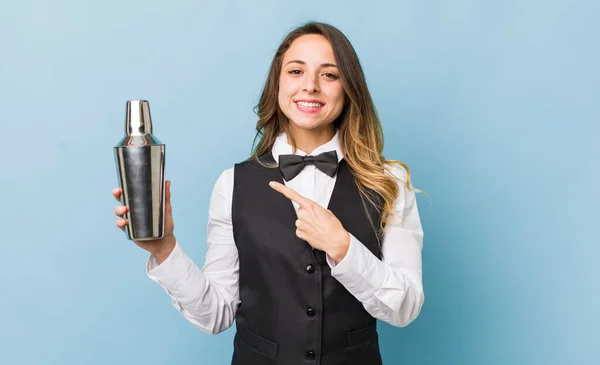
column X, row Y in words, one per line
column 197, row 295
column 398, row 301
column 390, row 291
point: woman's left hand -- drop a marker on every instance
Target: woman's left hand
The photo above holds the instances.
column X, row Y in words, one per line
column 316, row 225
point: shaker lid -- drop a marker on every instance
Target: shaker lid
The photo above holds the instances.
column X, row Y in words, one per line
column 138, row 121
column 138, row 126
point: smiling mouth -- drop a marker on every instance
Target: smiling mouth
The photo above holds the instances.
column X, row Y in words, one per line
column 309, row 107
column 306, row 104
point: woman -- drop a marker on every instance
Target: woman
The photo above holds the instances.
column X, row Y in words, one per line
column 316, row 235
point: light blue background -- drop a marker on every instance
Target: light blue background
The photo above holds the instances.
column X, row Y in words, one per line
column 494, row 105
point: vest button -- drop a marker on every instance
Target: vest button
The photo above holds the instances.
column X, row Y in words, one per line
column 310, row 312
column 310, row 268
column 311, row 355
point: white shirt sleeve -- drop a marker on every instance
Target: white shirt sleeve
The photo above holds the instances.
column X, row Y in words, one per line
column 207, row 297
column 390, row 289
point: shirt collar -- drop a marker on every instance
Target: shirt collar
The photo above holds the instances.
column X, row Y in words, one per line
column 282, row 147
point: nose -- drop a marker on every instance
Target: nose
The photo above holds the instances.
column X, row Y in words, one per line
column 311, row 83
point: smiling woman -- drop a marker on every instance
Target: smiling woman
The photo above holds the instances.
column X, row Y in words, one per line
column 316, row 87
column 310, row 90
column 316, row 235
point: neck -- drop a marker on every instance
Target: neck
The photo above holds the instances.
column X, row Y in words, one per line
column 308, row 140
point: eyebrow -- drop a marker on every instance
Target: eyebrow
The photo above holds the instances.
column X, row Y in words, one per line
column 304, row 63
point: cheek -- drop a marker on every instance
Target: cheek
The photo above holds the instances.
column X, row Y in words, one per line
column 287, row 86
column 338, row 96
column 283, row 95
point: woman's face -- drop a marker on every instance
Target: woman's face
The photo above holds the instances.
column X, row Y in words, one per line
column 310, row 89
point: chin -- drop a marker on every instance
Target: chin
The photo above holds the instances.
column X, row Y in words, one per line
column 308, row 124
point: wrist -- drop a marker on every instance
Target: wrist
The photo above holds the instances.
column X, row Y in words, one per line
column 339, row 251
column 164, row 250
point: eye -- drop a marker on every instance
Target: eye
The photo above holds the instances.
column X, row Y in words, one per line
column 331, row 76
column 295, row 72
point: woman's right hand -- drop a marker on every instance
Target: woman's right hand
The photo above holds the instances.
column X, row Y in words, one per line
column 160, row 248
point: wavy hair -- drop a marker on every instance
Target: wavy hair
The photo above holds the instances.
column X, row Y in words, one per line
column 360, row 131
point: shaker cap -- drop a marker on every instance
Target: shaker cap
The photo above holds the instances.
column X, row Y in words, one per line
column 138, row 121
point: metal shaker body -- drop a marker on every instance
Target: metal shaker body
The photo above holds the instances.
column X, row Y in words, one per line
column 140, row 162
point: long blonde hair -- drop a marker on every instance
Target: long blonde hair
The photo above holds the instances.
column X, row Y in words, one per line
column 360, row 131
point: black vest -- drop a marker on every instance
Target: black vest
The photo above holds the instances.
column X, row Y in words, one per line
column 292, row 310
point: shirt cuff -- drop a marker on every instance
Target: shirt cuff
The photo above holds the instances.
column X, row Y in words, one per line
column 171, row 271
column 361, row 272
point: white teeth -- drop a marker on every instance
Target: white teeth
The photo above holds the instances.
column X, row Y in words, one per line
column 308, row 105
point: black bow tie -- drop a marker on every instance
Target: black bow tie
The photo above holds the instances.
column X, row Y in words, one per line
column 291, row 165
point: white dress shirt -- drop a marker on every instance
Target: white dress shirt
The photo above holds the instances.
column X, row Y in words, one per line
column 390, row 289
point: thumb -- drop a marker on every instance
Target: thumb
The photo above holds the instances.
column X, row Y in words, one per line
column 168, row 197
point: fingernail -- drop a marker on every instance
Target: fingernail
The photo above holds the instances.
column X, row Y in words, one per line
column 272, row 183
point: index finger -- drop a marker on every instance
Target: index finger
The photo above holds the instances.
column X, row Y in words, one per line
column 291, row 194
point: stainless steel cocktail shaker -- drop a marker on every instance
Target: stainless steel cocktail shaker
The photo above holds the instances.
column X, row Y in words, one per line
column 140, row 161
